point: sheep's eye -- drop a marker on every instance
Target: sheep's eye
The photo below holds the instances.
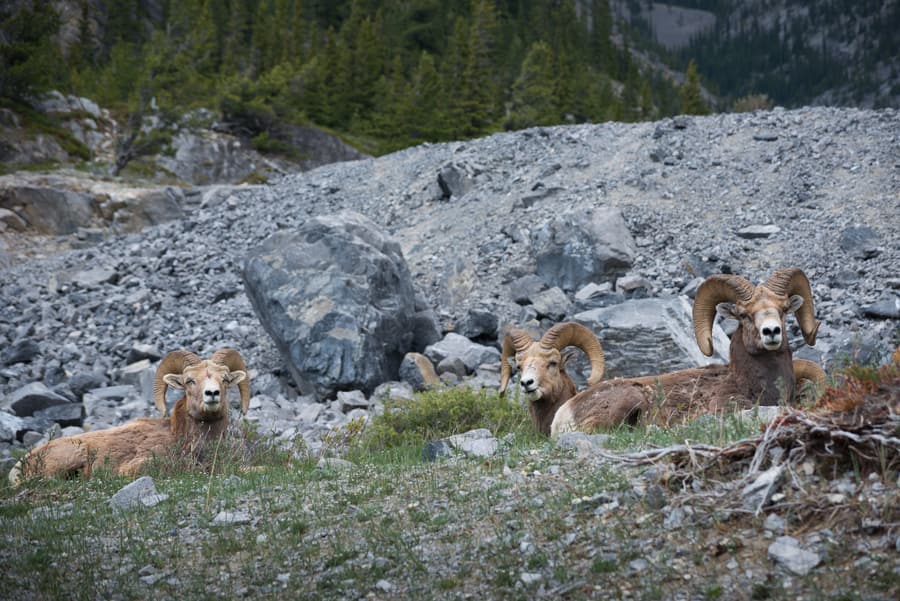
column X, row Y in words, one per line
column 554, row 363
column 190, row 382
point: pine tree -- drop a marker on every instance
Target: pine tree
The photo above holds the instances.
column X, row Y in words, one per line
column 533, row 98
column 427, row 117
column 479, row 91
column 691, row 97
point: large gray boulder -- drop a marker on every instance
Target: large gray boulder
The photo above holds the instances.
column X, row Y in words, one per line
column 48, row 210
column 650, row 336
column 337, row 297
column 576, row 248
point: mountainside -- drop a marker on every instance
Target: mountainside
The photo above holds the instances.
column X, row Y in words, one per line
column 747, row 193
column 836, row 52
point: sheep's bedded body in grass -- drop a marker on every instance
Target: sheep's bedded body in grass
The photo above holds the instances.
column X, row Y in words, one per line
column 201, row 415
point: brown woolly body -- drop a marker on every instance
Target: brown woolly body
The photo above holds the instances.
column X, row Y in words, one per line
column 763, row 379
column 199, row 416
column 125, row 449
column 761, row 370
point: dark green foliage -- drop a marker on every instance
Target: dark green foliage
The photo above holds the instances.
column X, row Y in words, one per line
column 434, row 415
column 29, row 60
column 385, row 74
column 691, row 98
column 533, row 96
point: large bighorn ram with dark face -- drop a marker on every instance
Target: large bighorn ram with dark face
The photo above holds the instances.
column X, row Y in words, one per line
column 544, row 380
column 761, row 369
column 199, row 416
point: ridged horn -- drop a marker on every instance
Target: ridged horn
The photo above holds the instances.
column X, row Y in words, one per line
column 232, row 359
column 173, row 363
column 570, row 333
column 807, row 370
column 716, row 289
column 514, row 342
column 790, row 281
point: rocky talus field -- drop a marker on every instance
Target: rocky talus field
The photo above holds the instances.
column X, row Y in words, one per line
column 326, row 280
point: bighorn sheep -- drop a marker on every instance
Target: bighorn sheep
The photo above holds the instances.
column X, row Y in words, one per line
column 544, row 380
column 198, row 416
column 761, row 369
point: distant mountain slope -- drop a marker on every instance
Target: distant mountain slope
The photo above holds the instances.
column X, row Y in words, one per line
column 834, row 52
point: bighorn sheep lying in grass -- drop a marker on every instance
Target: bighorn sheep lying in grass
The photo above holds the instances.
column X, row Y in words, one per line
column 200, row 415
column 544, row 380
column 761, row 369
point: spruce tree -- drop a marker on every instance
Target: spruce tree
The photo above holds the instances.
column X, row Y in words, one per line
column 533, row 97
column 691, row 98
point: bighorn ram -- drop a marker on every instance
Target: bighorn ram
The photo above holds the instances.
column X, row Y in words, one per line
column 761, row 369
column 544, row 380
column 200, row 415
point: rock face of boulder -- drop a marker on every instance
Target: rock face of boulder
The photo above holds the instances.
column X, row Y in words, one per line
column 574, row 249
column 337, row 298
column 48, row 210
column 650, row 336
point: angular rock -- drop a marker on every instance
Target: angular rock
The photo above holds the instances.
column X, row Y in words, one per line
column 477, row 323
column 574, row 249
column 758, row 231
column 352, row 399
column 336, row 296
column 786, row 551
column 887, row 307
column 552, row 303
column 649, row 336
column 94, row 277
column 860, row 241
column 32, row 398
column 455, row 346
column 417, row 371
column 82, row 382
column 452, row 365
column 10, row 426
column 129, row 496
column 49, row 210
column 426, row 329
column 141, row 351
column 475, row 443
column 68, row 414
column 437, row 449
column 230, row 518
column 21, row 351
column 758, row 493
column 453, row 181
column 523, row 289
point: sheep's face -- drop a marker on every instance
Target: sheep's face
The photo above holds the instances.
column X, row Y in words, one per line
column 541, row 371
column 761, row 319
column 205, row 386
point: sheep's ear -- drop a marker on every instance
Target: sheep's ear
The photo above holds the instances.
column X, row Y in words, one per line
column 233, row 377
column 796, row 303
column 726, row 311
column 173, row 380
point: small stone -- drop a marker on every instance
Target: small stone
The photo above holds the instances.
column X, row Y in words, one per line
column 384, row 586
column 231, row 517
column 758, row 231
column 334, row 463
column 130, row 496
column 529, row 578
column 760, row 491
column 786, row 551
column 774, row 523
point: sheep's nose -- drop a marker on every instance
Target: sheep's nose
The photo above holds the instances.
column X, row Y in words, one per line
column 527, row 383
column 211, row 396
column 771, row 332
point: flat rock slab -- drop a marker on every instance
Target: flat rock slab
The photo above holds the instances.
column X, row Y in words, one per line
column 786, row 551
column 758, row 231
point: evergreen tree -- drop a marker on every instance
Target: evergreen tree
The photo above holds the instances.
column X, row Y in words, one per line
column 427, row 118
column 533, row 98
column 691, row 99
column 30, row 61
column 479, row 91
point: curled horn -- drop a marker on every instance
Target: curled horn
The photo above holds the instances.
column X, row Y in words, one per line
column 232, row 359
column 514, row 342
column 787, row 282
column 574, row 334
column 173, row 363
column 716, row 289
column 812, row 373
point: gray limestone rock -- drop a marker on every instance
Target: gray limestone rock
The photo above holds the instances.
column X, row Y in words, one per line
column 336, row 297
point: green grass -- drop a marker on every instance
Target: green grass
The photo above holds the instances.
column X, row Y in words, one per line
column 446, row 529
